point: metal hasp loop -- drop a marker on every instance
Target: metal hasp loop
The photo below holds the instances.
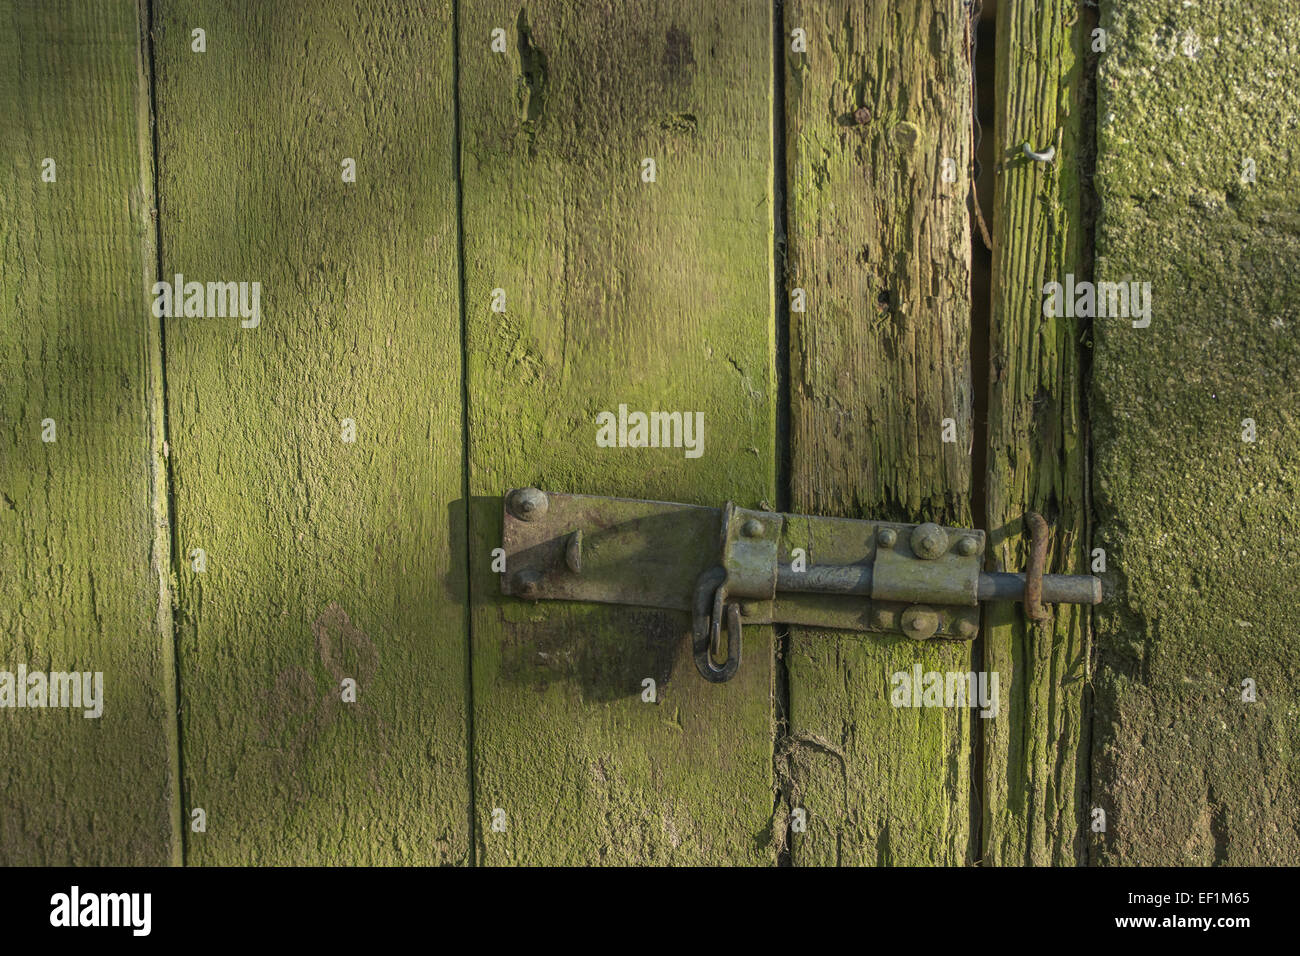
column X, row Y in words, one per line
column 750, row 546
column 706, row 627
column 730, row 567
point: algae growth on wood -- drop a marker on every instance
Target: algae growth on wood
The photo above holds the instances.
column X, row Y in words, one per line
column 618, row 250
column 877, row 101
column 83, row 540
column 317, row 455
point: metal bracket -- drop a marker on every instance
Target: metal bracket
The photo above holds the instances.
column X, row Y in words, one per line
column 731, row 566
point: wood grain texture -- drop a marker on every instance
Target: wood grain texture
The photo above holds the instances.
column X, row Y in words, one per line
column 1200, row 526
column 1035, row 752
column 83, row 553
column 325, row 560
column 882, row 248
column 657, row 295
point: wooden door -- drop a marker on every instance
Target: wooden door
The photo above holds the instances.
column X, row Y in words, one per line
column 477, row 227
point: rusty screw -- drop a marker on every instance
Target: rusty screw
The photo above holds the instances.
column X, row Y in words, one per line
column 862, row 115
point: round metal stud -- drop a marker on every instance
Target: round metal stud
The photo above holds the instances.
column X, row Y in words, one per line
column 752, row 528
column 887, row 537
column 573, row 552
column 527, row 584
column 968, row 545
column 920, row 623
column 528, row 504
column 929, row 541
column 967, row 629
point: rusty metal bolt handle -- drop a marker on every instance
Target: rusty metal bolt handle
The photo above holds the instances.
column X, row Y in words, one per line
column 1034, row 609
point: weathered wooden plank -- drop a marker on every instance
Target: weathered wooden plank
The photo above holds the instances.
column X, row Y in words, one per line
column 616, row 291
column 881, row 247
column 326, row 560
column 82, row 543
column 1199, row 524
column 1035, row 753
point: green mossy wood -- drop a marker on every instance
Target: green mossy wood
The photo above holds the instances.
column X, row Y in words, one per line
column 83, row 548
column 326, row 560
column 616, row 290
column 1201, row 528
column 371, row 560
column 1035, row 756
column 881, row 246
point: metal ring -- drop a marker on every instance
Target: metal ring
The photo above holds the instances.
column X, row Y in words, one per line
column 710, row 607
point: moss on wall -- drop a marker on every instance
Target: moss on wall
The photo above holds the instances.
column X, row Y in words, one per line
column 1201, row 528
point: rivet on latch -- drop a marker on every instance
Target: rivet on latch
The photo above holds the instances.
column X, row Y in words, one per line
column 967, row 628
column 968, row 546
column 573, row 552
column 752, row 528
column 527, row 504
column 883, row 618
column 886, row 537
column 920, row 623
column 929, row 541
column 527, row 584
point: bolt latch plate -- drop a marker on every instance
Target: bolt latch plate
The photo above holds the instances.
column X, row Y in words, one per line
column 795, row 569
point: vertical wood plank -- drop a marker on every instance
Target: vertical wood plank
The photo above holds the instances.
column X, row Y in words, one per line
column 1199, row 523
column 1035, row 754
column 656, row 295
column 326, row 560
column 83, row 551
column 879, row 359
